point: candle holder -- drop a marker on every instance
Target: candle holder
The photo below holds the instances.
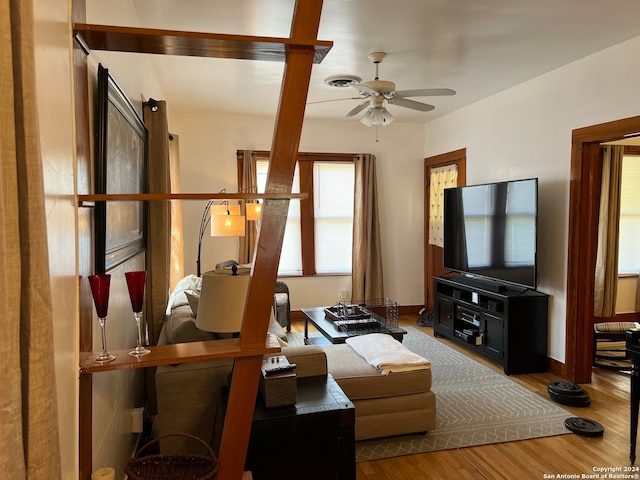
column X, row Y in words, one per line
column 135, row 283
column 100, row 290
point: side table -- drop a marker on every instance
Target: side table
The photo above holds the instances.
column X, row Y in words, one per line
column 311, row 440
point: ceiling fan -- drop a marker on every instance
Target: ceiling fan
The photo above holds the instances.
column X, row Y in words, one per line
column 378, row 92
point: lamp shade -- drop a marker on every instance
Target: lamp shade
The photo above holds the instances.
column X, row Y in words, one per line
column 223, row 209
column 227, row 225
column 222, row 301
column 254, row 211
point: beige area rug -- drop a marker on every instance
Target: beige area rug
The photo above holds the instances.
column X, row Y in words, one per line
column 475, row 406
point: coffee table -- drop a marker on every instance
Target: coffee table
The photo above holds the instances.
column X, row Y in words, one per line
column 331, row 334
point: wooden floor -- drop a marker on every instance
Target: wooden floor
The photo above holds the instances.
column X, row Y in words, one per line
column 550, row 457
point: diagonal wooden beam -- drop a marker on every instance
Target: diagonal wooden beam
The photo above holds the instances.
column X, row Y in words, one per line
column 286, row 140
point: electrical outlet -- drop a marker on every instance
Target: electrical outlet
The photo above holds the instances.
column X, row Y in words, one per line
column 137, row 416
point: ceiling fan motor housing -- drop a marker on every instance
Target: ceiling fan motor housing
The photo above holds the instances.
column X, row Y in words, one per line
column 383, row 87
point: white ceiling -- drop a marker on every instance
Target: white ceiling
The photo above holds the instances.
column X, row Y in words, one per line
column 476, row 47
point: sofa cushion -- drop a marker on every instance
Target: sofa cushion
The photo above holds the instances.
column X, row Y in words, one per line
column 179, row 327
column 310, row 360
column 359, row 380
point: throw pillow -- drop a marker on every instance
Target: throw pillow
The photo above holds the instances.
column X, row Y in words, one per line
column 194, row 299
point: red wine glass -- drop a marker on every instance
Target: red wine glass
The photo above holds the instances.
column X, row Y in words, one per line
column 100, row 291
column 135, row 283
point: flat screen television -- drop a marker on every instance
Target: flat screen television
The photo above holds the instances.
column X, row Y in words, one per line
column 490, row 231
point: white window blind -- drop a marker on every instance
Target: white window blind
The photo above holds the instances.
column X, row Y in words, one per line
column 291, row 256
column 333, row 184
column 629, row 235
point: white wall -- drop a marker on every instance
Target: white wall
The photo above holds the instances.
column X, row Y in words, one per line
column 526, row 132
column 114, row 395
column 55, row 106
column 208, row 145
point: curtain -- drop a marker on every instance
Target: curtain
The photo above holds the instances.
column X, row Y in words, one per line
column 439, row 179
column 158, row 220
column 247, row 182
column 606, row 280
column 366, row 276
column 29, row 412
column 177, row 238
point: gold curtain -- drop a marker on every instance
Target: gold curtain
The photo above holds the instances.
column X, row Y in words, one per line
column 29, row 413
column 247, row 182
column 158, row 220
column 439, row 179
column 366, row 276
column 606, row 280
column 177, row 236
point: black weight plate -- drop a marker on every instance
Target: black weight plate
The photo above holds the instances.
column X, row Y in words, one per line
column 565, row 388
column 582, row 400
column 584, row 426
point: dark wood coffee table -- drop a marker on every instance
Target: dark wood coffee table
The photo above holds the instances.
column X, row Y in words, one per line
column 331, row 334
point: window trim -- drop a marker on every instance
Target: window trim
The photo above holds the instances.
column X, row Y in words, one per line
column 307, row 226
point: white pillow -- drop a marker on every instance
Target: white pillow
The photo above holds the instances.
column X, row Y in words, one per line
column 177, row 297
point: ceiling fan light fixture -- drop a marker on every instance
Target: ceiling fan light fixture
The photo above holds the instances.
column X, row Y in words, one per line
column 377, row 116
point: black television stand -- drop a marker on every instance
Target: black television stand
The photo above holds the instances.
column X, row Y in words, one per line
column 509, row 326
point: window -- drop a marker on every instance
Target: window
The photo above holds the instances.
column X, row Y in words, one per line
column 319, row 232
column 629, row 236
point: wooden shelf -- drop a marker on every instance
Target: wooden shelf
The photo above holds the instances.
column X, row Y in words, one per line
column 111, row 197
column 173, row 354
column 193, row 44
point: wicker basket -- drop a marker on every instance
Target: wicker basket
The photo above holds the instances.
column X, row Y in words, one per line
column 170, row 467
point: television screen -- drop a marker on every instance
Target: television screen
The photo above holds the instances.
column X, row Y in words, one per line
column 490, row 230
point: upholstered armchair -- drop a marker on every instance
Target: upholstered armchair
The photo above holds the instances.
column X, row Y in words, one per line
column 282, row 306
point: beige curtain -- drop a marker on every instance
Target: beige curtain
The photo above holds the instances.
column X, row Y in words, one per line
column 606, row 280
column 158, row 221
column 366, row 277
column 29, row 414
column 177, row 237
column 247, row 182
column 439, row 179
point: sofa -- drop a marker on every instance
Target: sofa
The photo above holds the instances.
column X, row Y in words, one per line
column 188, row 394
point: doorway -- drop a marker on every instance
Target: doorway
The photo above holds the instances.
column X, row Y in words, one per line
column 584, row 203
column 432, row 253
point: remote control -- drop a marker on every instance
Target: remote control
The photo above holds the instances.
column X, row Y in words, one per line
column 280, row 368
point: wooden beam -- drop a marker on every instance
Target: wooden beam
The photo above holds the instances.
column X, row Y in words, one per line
column 286, row 140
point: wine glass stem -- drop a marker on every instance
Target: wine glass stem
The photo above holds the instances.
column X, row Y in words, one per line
column 138, row 317
column 103, row 322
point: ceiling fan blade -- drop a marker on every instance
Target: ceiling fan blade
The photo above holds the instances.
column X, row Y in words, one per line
column 364, row 89
column 358, row 109
column 405, row 102
column 334, row 100
column 426, row 92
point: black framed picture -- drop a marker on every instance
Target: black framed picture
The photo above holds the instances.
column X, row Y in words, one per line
column 120, row 167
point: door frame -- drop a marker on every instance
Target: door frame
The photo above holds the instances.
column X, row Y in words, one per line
column 584, row 204
column 459, row 158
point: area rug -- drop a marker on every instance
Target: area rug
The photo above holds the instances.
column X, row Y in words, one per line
column 475, row 406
